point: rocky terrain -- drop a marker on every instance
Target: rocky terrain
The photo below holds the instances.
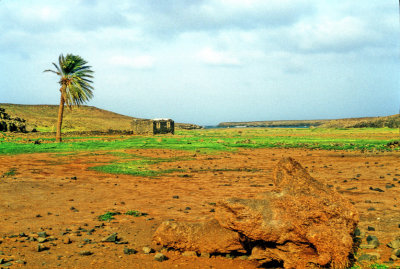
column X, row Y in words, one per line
column 57, row 213
column 10, row 124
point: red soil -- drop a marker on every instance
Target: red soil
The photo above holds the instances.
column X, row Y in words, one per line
column 43, row 197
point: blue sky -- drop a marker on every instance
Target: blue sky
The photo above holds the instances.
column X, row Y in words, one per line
column 204, row 62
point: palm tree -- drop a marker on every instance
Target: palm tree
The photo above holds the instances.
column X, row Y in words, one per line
column 76, row 87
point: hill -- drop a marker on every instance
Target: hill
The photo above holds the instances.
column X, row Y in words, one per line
column 392, row 121
column 81, row 119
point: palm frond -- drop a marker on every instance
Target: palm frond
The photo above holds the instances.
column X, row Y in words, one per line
column 75, row 78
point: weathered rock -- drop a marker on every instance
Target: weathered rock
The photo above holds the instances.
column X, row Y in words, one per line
column 147, row 250
column 111, row 238
column 394, row 243
column 129, row 251
column 189, row 254
column 303, row 221
column 85, row 253
column 160, row 257
column 207, row 237
column 369, row 257
column 395, row 254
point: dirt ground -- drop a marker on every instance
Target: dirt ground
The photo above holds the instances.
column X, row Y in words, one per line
column 56, row 193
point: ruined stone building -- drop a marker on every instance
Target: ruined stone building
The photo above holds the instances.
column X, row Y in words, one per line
column 154, row 126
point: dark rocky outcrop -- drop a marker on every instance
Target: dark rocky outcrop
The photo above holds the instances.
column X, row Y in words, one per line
column 302, row 223
column 9, row 124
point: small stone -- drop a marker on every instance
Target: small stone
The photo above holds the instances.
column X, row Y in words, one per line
column 205, row 255
column 41, row 240
column 147, row 250
column 85, row 253
column 6, row 264
column 389, row 186
column 370, row 228
column 376, row 189
column 21, row 261
column 369, row 257
column 187, row 208
column 129, row 251
column 357, row 232
column 111, row 238
column 395, row 244
column 160, row 257
column 42, row 234
column 373, row 241
column 189, row 254
column 175, row 197
column 41, row 247
column 244, row 257
column 371, row 209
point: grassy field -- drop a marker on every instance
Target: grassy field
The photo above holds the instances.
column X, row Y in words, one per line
column 367, row 139
column 200, row 141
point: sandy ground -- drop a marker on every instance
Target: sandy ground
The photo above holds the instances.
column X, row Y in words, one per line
column 41, row 196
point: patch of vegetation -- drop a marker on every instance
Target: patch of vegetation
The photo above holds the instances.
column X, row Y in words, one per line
column 216, row 140
column 108, row 216
column 11, row 172
column 135, row 213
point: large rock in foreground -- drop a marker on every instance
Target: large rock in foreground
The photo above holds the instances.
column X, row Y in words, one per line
column 302, row 223
column 207, row 237
column 303, row 220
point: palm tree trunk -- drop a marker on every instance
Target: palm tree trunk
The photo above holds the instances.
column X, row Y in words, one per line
column 60, row 117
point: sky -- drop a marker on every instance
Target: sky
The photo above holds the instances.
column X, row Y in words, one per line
column 209, row 61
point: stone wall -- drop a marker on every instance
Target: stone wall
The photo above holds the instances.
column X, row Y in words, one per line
column 9, row 124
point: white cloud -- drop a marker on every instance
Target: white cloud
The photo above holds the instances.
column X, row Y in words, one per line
column 213, row 57
column 138, row 62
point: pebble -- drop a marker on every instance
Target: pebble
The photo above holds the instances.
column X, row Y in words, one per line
column 111, row 238
column 42, row 234
column 175, row 197
column 369, row 257
column 147, row 250
column 205, row 255
column 41, row 240
column 160, row 257
column 41, row 247
column 370, row 228
column 395, row 244
column 373, row 241
column 129, row 251
column 395, row 254
column 376, row 189
column 189, row 254
column 85, row 253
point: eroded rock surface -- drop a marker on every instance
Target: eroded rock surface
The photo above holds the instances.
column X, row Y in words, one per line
column 207, row 237
column 302, row 223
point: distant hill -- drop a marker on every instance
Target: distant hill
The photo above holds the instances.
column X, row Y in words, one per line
column 392, row 121
column 82, row 119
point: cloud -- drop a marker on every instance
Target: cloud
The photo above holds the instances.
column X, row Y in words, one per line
column 138, row 62
column 217, row 58
column 340, row 35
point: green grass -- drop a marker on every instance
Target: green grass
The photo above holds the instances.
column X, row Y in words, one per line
column 10, row 173
column 209, row 141
column 108, row 216
column 138, row 167
column 135, row 213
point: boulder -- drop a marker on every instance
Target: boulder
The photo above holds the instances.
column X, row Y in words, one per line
column 302, row 221
column 207, row 237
